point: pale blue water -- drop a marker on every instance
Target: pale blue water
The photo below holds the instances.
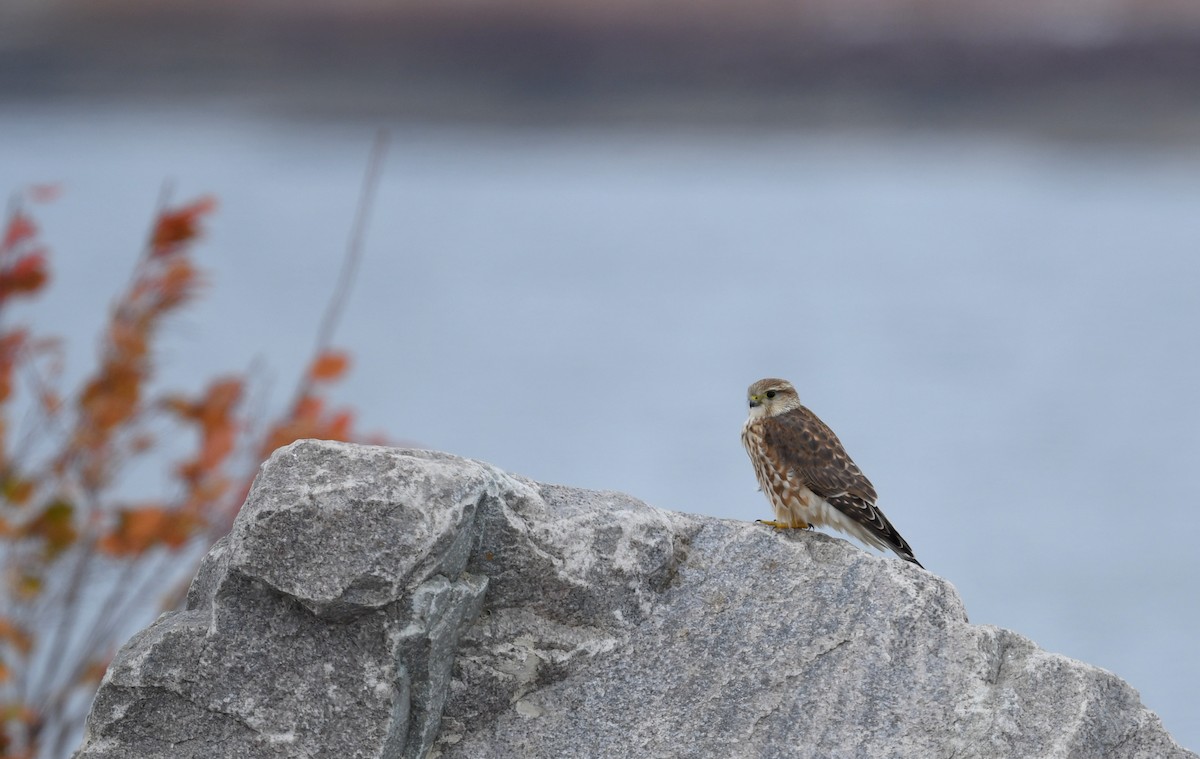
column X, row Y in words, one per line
column 1003, row 333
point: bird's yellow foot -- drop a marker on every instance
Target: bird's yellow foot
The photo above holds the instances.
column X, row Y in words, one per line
column 783, row 525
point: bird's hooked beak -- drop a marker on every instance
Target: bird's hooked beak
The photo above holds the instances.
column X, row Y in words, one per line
column 755, row 401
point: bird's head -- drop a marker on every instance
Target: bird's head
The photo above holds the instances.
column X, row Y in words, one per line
column 771, row 397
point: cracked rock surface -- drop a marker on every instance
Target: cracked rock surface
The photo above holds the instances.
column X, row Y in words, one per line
column 375, row 602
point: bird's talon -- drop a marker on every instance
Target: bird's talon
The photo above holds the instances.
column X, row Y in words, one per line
column 783, row 525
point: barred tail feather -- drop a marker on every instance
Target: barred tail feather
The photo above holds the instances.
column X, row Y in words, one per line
column 866, row 522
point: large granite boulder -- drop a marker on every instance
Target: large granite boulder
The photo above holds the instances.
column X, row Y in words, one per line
column 374, row 602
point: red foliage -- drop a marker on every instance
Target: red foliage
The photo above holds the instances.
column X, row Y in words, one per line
column 178, row 226
column 309, row 419
column 205, row 475
column 23, row 269
column 53, row 527
column 12, row 343
column 329, row 365
column 140, row 529
column 20, row 229
column 59, row 515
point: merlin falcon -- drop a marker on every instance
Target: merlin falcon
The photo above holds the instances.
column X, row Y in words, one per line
column 807, row 475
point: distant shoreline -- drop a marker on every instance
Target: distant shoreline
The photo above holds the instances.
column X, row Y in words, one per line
column 531, row 73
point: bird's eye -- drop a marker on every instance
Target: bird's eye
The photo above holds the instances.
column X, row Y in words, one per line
column 770, row 393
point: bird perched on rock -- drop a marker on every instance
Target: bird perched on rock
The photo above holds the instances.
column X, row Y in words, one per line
column 807, row 475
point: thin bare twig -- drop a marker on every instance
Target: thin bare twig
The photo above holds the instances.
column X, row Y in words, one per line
column 126, row 594
column 114, row 611
column 85, row 554
column 354, row 247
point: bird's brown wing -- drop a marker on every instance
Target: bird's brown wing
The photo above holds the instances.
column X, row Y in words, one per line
column 813, row 453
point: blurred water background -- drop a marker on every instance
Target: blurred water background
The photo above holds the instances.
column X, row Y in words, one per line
column 970, row 237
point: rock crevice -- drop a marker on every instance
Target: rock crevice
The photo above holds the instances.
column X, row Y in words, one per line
column 374, row 602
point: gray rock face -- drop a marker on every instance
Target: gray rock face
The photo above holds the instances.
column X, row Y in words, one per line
column 374, row 602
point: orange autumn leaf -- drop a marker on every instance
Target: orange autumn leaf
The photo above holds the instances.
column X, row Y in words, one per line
column 216, row 405
column 12, row 342
column 136, row 530
column 178, row 283
column 139, row 529
column 93, row 673
column 27, row 586
column 18, row 713
column 55, row 526
column 339, row 426
column 180, row 225
column 218, row 443
column 128, row 339
column 11, row 345
column 219, row 401
column 26, row 275
column 179, row 529
column 20, row 228
column 308, row 407
column 15, row 489
column 112, row 397
column 329, row 366
column 12, row 634
column 219, row 429
column 309, row 420
column 280, row 436
column 214, row 449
